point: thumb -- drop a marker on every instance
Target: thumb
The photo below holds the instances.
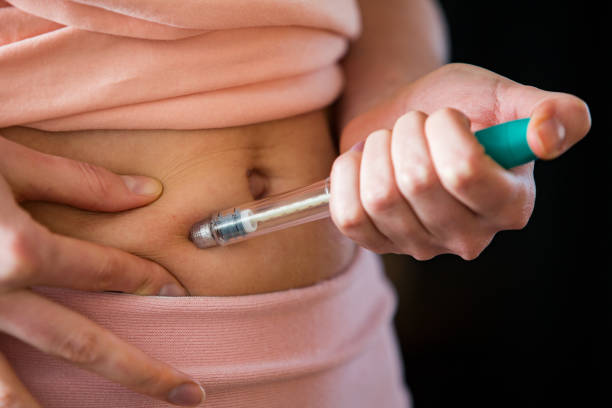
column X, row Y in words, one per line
column 36, row 176
column 558, row 120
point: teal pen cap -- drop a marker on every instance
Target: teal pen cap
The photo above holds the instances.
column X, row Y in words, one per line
column 506, row 143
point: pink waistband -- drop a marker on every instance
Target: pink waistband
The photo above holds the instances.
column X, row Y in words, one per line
column 149, row 64
column 327, row 345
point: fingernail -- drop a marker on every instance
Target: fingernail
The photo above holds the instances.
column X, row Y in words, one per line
column 187, row 394
column 142, row 185
column 358, row 147
column 551, row 135
column 172, row 289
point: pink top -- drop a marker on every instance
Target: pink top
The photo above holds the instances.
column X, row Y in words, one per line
column 161, row 64
column 150, row 64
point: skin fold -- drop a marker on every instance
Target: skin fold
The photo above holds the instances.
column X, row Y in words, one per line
column 203, row 171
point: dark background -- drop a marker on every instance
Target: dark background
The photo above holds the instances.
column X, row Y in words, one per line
column 522, row 325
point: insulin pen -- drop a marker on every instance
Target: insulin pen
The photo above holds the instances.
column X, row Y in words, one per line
column 506, row 143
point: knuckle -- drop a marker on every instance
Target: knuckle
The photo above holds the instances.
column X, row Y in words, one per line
column 411, row 124
column 456, row 67
column 446, row 115
column 417, row 179
column 19, row 258
column 463, row 174
column 524, row 215
column 449, row 113
column 410, row 117
column 94, row 178
column 343, row 165
column 524, row 218
column 80, row 348
column 379, row 198
column 518, row 224
column 148, row 382
column 422, row 250
column 470, row 254
column 469, row 247
column 148, row 282
column 519, row 212
column 424, row 254
column 350, row 219
column 520, row 219
column 378, row 134
column 105, row 275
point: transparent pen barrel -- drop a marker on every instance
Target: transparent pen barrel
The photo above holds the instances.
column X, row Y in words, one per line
column 272, row 213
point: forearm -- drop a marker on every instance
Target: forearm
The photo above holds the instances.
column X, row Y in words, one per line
column 401, row 41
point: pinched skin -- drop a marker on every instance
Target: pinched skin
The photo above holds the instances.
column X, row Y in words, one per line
column 203, row 171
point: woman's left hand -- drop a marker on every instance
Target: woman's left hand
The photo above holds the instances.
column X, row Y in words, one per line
column 422, row 185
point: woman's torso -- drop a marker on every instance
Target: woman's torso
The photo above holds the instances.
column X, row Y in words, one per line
column 203, row 171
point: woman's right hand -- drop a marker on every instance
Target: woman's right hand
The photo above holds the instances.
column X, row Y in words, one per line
column 31, row 255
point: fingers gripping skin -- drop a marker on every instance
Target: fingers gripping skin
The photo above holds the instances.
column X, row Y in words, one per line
column 37, row 176
column 65, row 334
column 427, row 188
column 32, row 255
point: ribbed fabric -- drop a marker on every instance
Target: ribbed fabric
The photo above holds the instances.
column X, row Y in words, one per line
column 200, row 64
column 327, row 345
column 159, row 64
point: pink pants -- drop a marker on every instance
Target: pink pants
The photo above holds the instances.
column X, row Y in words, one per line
column 327, row 345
